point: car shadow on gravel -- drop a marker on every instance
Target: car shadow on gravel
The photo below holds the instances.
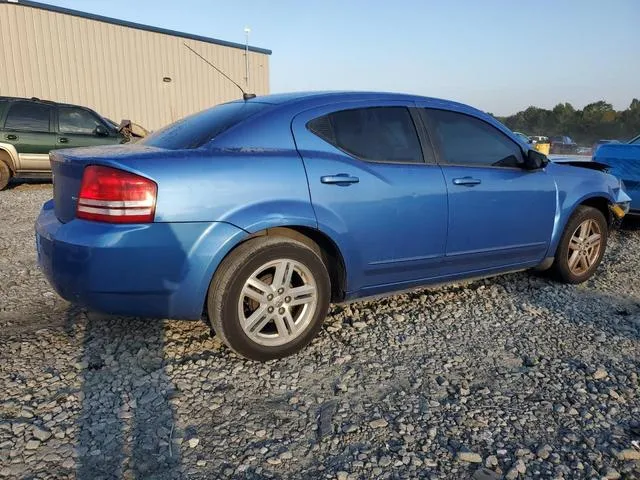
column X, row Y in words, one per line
column 126, row 424
column 631, row 223
column 602, row 306
column 26, row 182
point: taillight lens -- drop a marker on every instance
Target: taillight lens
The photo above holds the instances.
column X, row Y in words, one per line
column 115, row 196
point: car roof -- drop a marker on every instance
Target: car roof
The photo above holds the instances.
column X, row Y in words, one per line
column 38, row 100
column 324, row 97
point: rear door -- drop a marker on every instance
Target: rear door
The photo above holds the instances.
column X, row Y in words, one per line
column 28, row 128
column 375, row 190
column 80, row 127
column 501, row 215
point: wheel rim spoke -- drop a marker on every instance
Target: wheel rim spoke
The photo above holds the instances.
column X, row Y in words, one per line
column 282, row 277
column 281, row 325
column 584, row 229
column 588, row 260
column 582, row 263
column 302, row 295
column 593, row 240
column 573, row 259
column 289, row 321
column 258, row 319
column 256, row 290
column 573, row 244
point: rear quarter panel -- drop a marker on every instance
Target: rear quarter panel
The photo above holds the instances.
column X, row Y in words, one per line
column 250, row 189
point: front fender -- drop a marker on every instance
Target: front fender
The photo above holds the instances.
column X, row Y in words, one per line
column 575, row 187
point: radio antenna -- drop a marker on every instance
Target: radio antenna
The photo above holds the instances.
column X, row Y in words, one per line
column 245, row 96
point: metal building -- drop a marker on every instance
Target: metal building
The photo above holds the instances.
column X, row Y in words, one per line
column 123, row 70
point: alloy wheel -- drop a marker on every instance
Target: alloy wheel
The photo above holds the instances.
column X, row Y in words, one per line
column 277, row 302
column 584, row 247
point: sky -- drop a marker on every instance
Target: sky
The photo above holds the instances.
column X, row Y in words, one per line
column 498, row 55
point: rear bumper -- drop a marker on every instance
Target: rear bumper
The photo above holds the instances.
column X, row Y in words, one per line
column 151, row 270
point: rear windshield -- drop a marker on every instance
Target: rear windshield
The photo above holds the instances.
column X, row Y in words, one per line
column 198, row 129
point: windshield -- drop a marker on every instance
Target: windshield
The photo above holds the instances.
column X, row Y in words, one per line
column 111, row 123
column 635, row 141
column 196, row 130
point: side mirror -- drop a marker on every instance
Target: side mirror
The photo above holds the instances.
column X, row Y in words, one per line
column 535, row 160
column 100, row 131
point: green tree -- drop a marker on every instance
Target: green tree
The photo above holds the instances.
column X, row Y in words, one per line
column 597, row 120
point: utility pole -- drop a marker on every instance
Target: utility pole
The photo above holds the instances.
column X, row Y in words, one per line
column 247, row 31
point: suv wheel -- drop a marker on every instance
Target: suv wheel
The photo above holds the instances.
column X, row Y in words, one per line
column 582, row 245
column 269, row 297
column 5, row 175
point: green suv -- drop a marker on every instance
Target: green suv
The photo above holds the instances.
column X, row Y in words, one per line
column 30, row 128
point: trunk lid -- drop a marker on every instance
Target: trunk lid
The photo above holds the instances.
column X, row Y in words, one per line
column 67, row 168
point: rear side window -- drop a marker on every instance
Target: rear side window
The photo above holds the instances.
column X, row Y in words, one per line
column 198, row 129
column 28, row 116
column 466, row 140
column 76, row 120
column 379, row 134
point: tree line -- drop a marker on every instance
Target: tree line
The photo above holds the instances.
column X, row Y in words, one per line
column 596, row 121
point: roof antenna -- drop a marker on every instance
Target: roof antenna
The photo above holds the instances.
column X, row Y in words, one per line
column 245, row 96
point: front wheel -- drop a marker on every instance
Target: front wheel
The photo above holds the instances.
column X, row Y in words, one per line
column 269, row 297
column 5, row 175
column 582, row 245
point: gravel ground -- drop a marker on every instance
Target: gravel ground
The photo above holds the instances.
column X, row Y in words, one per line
column 518, row 375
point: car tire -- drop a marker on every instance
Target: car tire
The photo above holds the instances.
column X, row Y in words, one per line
column 582, row 245
column 5, row 175
column 258, row 315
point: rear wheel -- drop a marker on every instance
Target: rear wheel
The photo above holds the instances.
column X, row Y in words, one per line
column 582, row 245
column 5, row 175
column 269, row 297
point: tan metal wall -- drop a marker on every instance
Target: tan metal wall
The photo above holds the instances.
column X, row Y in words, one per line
column 116, row 70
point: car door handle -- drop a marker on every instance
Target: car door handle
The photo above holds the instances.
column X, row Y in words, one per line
column 467, row 181
column 11, row 136
column 63, row 140
column 339, row 179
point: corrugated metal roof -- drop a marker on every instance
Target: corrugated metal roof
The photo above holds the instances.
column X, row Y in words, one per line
column 139, row 26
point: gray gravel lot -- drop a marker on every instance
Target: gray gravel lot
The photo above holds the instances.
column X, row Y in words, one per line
column 527, row 377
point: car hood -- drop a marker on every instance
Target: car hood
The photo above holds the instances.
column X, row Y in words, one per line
column 581, row 161
column 575, row 176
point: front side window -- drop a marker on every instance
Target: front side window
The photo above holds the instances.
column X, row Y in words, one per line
column 380, row 134
column 28, row 117
column 76, row 120
column 466, row 140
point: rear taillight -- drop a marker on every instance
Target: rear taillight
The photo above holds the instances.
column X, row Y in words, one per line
column 115, row 196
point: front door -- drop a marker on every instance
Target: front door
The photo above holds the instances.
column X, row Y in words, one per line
column 27, row 128
column 374, row 192
column 79, row 127
column 501, row 216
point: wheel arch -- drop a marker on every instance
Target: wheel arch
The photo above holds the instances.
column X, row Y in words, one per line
column 9, row 155
column 599, row 201
column 322, row 244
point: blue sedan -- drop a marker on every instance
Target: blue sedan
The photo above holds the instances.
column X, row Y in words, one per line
column 258, row 213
